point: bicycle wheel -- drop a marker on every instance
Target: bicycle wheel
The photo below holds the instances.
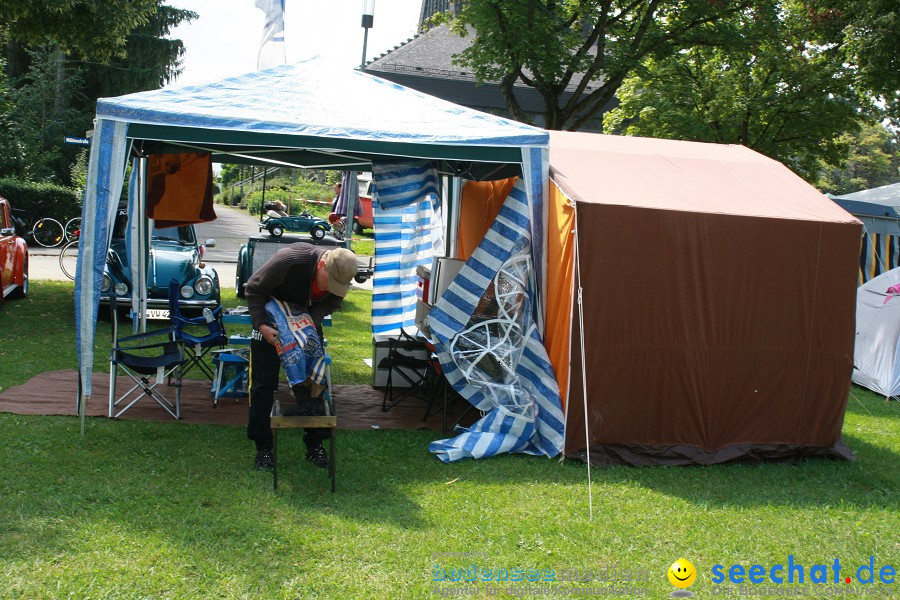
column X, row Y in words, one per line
column 68, row 259
column 48, row 232
column 73, row 229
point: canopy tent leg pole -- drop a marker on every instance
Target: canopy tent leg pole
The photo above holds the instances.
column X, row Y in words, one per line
column 587, row 441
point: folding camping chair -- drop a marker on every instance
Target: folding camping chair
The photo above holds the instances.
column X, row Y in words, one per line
column 140, row 357
column 196, row 335
column 410, row 376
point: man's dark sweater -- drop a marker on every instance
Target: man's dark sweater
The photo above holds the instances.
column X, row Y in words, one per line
column 288, row 276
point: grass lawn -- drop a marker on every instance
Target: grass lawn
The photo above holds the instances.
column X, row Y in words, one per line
column 169, row 510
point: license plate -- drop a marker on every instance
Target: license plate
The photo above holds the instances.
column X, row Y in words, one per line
column 157, row 314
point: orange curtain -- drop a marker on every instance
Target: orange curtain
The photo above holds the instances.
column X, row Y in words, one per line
column 481, row 203
column 179, row 189
column 560, row 286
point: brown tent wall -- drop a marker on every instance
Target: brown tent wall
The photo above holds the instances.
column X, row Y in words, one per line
column 711, row 337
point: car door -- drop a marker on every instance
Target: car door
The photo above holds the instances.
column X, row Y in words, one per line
column 7, row 248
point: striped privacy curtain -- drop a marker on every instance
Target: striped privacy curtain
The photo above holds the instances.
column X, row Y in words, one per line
column 406, row 212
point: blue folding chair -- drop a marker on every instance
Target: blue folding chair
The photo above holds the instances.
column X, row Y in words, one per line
column 196, row 335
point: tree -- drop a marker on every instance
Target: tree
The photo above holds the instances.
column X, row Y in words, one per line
column 586, row 47
column 151, row 59
column 86, row 28
column 874, row 161
column 55, row 93
column 772, row 89
column 867, row 33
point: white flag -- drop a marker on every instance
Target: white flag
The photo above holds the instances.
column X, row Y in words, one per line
column 271, row 50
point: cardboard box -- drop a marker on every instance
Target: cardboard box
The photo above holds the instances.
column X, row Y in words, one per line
column 443, row 271
column 422, row 310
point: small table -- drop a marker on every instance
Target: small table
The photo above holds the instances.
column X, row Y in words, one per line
column 283, row 422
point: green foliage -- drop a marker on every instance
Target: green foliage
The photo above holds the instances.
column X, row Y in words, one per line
column 78, row 172
column 771, row 90
column 42, row 199
column 874, row 161
column 867, row 33
column 42, row 109
column 94, row 30
column 47, row 91
column 151, row 59
column 576, row 54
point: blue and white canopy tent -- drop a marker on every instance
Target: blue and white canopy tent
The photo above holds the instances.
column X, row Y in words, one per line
column 312, row 115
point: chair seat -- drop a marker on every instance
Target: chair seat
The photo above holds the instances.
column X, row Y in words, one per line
column 148, row 365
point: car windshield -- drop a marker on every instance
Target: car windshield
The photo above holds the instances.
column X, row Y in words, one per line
column 184, row 235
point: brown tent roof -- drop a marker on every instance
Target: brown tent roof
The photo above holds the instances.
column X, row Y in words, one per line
column 677, row 175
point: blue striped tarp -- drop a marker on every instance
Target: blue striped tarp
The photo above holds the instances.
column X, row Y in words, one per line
column 404, row 239
column 497, row 361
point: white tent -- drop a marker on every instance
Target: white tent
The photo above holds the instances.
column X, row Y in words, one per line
column 876, row 358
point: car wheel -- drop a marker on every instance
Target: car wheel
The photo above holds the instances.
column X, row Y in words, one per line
column 276, row 230
column 22, row 290
column 317, row 233
column 357, row 227
column 360, row 278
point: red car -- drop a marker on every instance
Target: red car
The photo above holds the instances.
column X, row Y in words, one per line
column 13, row 257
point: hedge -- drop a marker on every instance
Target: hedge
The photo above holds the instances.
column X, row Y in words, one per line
column 41, row 199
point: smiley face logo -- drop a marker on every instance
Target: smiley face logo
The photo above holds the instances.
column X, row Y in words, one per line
column 682, row 573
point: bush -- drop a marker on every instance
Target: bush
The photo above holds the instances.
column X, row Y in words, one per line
column 42, row 199
column 294, row 199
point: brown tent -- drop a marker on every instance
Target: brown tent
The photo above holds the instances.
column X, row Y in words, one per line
column 719, row 292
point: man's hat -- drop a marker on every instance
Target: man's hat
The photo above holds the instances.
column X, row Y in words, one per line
column 341, row 266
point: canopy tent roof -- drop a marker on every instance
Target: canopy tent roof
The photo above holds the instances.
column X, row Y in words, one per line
column 313, row 114
column 889, row 195
column 877, row 218
column 683, row 176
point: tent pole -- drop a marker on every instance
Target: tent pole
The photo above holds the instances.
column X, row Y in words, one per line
column 143, row 238
column 587, row 441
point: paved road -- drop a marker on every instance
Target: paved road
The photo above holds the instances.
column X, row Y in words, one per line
column 231, row 228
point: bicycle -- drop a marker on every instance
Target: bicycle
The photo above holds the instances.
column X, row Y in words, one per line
column 68, row 256
column 47, row 231
column 72, row 229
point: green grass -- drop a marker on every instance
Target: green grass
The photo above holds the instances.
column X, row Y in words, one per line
column 170, row 510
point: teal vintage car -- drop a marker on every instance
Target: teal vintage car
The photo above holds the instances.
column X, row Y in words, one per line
column 174, row 254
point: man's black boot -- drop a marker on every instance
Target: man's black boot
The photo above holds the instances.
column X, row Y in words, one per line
column 317, row 456
column 264, row 460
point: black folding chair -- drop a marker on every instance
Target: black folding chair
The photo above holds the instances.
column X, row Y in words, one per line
column 411, row 376
column 141, row 356
column 196, row 335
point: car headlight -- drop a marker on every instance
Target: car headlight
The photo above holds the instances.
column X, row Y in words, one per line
column 107, row 283
column 203, row 285
column 121, row 289
column 187, row 291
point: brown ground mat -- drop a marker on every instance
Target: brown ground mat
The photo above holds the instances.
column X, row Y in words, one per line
column 357, row 406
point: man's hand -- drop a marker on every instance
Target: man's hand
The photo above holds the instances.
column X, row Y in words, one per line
column 269, row 333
